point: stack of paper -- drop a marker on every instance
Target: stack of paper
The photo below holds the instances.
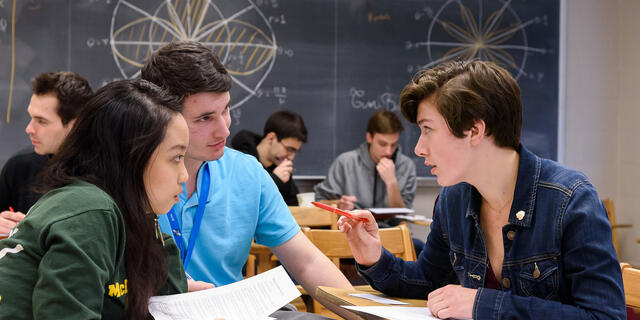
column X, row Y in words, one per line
column 380, row 211
column 396, row 313
column 250, row 299
column 417, row 217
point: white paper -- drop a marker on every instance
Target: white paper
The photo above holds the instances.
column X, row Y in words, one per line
column 250, row 299
column 391, row 210
column 396, row 313
column 416, row 217
column 375, row 298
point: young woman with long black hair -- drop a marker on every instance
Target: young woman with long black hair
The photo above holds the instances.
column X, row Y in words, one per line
column 90, row 248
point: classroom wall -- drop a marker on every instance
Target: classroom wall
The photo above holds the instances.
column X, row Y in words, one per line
column 627, row 192
column 601, row 109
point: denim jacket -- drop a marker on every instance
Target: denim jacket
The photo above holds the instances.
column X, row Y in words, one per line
column 559, row 261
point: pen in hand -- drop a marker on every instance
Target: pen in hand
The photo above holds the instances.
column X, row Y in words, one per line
column 338, row 211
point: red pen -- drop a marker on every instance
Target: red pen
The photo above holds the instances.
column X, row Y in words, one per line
column 338, row 211
column 11, row 209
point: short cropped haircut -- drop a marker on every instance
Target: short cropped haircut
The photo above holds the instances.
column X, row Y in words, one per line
column 71, row 90
column 385, row 122
column 186, row 67
column 286, row 124
column 466, row 92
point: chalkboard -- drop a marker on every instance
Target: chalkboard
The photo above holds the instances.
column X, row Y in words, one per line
column 333, row 61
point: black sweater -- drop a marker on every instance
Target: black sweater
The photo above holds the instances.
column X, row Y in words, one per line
column 247, row 142
column 18, row 176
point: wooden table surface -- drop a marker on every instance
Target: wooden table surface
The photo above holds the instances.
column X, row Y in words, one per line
column 341, row 297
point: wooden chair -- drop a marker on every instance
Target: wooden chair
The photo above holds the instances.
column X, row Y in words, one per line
column 313, row 217
column 631, row 281
column 611, row 212
column 260, row 257
column 333, row 244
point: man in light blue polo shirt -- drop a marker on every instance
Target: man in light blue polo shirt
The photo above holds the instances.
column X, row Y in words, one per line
column 242, row 203
column 229, row 198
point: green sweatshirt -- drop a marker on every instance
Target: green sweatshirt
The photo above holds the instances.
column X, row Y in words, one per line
column 66, row 259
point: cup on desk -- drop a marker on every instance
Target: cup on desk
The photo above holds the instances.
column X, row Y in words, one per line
column 305, row 198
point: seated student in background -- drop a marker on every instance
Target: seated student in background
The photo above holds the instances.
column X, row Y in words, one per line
column 58, row 98
column 90, row 248
column 526, row 237
column 214, row 229
column 376, row 174
column 284, row 134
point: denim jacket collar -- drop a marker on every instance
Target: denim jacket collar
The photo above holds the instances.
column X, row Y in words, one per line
column 524, row 197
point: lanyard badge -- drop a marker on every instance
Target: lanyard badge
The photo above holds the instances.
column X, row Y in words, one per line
column 185, row 253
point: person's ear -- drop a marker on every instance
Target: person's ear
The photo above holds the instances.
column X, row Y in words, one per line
column 477, row 132
column 271, row 137
column 369, row 138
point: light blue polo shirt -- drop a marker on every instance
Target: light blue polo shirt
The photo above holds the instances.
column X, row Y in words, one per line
column 243, row 203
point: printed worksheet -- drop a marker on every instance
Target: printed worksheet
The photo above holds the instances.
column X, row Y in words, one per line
column 250, row 299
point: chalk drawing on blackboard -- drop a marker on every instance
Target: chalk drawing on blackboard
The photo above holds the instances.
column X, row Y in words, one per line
column 13, row 56
column 485, row 29
column 240, row 35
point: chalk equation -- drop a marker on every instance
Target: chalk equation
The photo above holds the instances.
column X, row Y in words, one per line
column 384, row 101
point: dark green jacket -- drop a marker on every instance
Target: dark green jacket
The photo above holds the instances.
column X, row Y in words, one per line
column 65, row 260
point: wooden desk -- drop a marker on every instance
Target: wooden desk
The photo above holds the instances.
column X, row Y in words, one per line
column 341, row 297
column 421, row 223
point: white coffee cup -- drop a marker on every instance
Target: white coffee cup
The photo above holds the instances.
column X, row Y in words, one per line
column 305, row 198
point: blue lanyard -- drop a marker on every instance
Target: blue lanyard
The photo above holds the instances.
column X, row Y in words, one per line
column 175, row 226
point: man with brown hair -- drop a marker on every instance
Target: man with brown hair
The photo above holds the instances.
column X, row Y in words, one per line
column 228, row 199
column 58, row 98
column 514, row 236
column 376, row 174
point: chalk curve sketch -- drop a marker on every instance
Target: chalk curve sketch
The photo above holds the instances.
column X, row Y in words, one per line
column 480, row 29
column 237, row 31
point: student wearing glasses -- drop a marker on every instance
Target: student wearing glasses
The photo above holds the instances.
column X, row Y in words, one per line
column 283, row 135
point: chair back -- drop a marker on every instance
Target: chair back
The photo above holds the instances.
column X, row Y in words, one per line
column 260, row 257
column 611, row 213
column 313, row 217
column 333, row 243
column 631, row 282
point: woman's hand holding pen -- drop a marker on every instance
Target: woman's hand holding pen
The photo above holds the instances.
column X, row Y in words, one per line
column 363, row 237
column 9, row 219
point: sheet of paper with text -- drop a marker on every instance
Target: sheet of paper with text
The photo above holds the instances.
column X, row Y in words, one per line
column 250, row 299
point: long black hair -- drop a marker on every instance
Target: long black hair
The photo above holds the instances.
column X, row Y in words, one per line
column 110, row 146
